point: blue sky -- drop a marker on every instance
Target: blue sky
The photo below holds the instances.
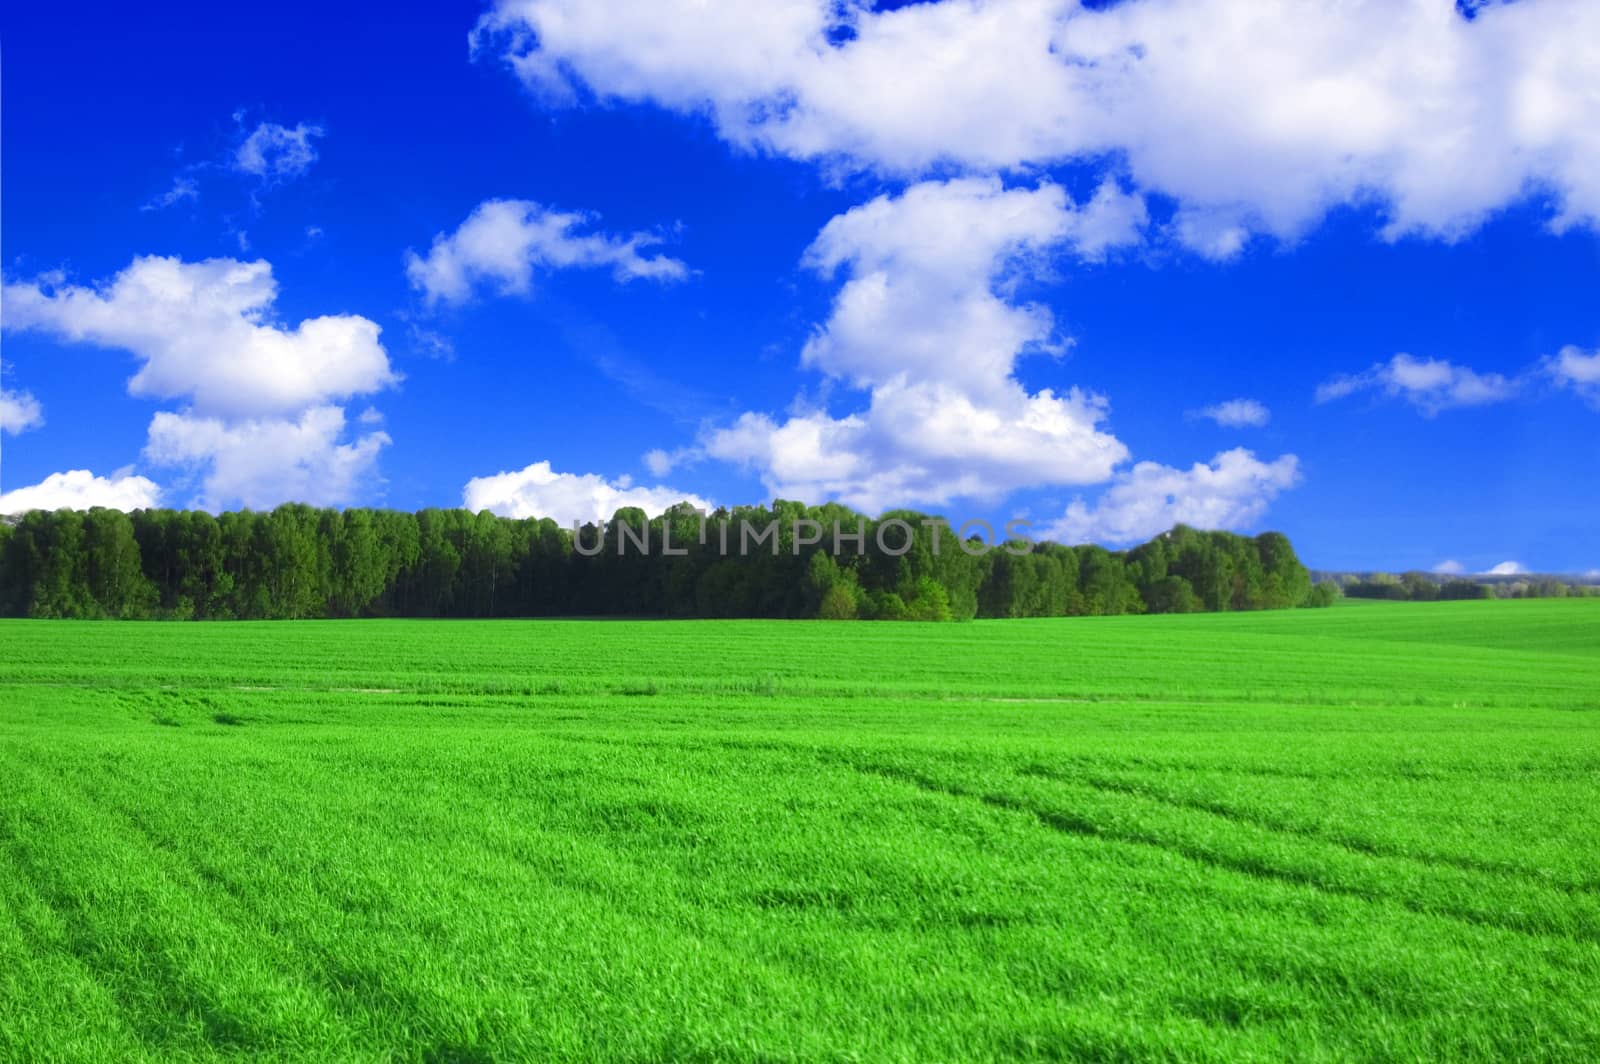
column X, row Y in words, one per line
column 992, row 260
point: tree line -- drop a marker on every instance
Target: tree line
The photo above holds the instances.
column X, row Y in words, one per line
column 299, row 562
column 1420, row 587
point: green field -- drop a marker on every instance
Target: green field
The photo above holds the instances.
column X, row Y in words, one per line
column 1367, row 832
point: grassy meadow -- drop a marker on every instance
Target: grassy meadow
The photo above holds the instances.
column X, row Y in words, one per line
column 1368, row 832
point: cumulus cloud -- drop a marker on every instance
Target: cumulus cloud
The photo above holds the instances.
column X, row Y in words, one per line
column 1572, row 368
column 261, row 424
column 261, row 462
column 204, row 331
column 1507, row 569
column 276, row 153
column 1431, row 385
column 1450, row 568
column 925, row 324
column 1254, row 117
column 1236, row 414
column 539, row 491
column 502, row 243
column 1232, row 492
column 79, row 489
column 19, row 412
column 926, row 443
column 924, row 268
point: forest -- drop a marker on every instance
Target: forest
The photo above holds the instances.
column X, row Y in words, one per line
column 300, row 562
column 1420, row 587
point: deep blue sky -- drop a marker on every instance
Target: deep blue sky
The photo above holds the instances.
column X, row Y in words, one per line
column 105, row 105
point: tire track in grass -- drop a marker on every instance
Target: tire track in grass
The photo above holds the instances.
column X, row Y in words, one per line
column 120, row 960
column 1076, row 824
column 43, row 939
column 372, row 979
column 158, row 979
column 1084, row 827
column 1278, row 825
column 362, row 996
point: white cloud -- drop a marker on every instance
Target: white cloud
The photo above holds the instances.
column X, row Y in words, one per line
column 1237, row 414
column 1571, row 368
column 923, row 326
column 1507, row 569
column 204, row 331
column 1592, row 574
column 19, row 412
column 1254, row 116
column 924, row 267
column 259, row 463
column 502, row 242
column 1431, row 385
column 926, row 444
column 660, row 462
column 1450, row 568
column 1230, row 493
column 275, row 152
column 261, row 425
column 183, row 188
column 431, row 344
column 269, row 153
column 539, row 491
column 79, row 489
column 1212, row 232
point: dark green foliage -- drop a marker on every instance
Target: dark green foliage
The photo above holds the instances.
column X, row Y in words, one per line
column 70, row 564
column 1465, row 589
column 1172, row 594
column 787, row 560
column 838, row 604
column 1381, row 586
column 1323, row 594
column 1419, row 587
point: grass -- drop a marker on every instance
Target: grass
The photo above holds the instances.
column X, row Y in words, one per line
column 1367, row 833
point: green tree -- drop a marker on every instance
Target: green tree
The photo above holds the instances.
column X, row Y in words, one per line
column 487, row 564
column 838, row 603
column 301, row 562
column 1287, row 582
column 112, row 572
column 438, row 561
column 296, row 562
column 1172, row 594
column 931, row 602
column 360, row 565
column 1323, row 594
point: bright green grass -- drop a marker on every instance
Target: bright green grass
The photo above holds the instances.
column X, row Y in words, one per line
column 1367, row 833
